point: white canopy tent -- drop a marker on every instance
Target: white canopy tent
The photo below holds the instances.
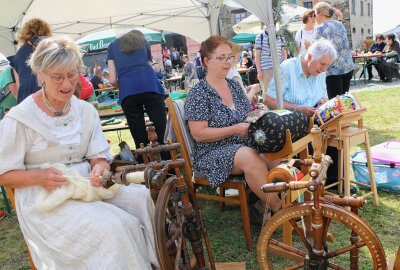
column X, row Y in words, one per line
column 193, row 18
column 291, row 17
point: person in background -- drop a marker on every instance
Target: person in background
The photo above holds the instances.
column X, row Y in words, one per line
column 90, row 73
column 106, row 78
column 339, row 73
column 367, row 43
column 303, row 79
column 263, row 58
column 167, row 66
column 97, row 80
column 29, row 37
column 233, row 74
column 246, row 62
column 53, row 126
column 216, row 109
column 139, row 88
column 189, row 70
column 392, row 48
column 306, row 36
column 198, row 59
column 376, row 48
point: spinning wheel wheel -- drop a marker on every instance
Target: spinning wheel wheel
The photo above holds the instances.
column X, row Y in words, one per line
column 359, row 248
column 177, row 230
column 271, row 251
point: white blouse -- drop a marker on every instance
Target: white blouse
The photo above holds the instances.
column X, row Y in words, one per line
column 18, row 139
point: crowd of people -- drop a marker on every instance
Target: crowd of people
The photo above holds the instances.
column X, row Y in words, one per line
column 53, row 124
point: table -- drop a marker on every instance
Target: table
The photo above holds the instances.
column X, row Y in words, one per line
column 175, row 81
column 118, row 113
column 364, row 57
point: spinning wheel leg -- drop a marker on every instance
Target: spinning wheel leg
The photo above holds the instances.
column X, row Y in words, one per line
column 177, row 230
column 272, row 253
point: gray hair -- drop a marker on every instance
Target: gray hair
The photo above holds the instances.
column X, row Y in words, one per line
column 56, row 53
column 321, row 47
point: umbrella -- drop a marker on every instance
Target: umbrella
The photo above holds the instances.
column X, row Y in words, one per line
column 243, row 38
column 99, row 41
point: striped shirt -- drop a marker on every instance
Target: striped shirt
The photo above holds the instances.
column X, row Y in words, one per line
column 297, row 88
column 265, row 58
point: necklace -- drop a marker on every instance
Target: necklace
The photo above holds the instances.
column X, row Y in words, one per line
column 51, row 108
column 310, row 32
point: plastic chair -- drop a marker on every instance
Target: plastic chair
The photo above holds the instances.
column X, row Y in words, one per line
column 183, row 137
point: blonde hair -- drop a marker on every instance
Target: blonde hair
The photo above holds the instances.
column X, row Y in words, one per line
column 324, row 9
column 56, row 53
column 236, row 48
column 34, row 28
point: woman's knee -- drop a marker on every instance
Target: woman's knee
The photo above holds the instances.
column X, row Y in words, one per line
column 247, row 158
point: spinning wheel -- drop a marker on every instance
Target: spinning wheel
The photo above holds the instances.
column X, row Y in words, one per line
column 312, row 250
column 177, row 230
column 179, row 227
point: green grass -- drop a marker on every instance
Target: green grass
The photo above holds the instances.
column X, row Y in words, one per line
column 225, row 229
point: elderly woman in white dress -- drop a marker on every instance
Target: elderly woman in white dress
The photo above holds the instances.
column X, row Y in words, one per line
column 53, row 126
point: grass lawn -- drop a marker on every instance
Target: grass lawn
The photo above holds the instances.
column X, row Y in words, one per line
column 225, row 229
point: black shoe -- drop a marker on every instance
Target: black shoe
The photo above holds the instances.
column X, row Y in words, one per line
column 370, row 78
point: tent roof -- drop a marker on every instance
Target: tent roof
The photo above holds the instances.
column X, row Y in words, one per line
column 244, row 38
column 192, row 18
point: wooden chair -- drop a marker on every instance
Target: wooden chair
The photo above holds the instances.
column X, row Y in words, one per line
column 176, row 114
column 10, row 194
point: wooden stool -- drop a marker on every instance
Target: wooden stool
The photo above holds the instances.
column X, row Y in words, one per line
column 343, row 139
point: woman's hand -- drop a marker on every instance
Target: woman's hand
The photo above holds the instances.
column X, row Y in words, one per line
column 242, row 129
column 52, row 179
column 98, row 167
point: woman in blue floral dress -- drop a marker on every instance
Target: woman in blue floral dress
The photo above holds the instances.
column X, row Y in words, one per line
column 339, row 73
column 216, row 109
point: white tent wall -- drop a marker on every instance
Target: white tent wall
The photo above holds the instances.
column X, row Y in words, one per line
column 263, row 10
column 193, row 18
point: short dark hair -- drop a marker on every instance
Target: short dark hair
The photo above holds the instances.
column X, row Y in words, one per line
column 391, row 36
column 380, row 36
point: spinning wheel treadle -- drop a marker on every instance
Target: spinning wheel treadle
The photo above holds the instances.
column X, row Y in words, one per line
column 356, row 244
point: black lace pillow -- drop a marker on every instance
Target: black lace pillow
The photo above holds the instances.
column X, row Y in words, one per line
column 268, row 133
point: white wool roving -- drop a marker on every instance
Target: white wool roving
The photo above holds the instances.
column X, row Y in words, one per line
column 78, row 188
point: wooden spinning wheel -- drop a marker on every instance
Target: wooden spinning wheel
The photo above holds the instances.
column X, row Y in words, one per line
column 179, row 228
column 311, row 250
column 179, row 238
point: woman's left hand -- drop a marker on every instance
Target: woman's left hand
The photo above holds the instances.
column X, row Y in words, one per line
column 98, row 168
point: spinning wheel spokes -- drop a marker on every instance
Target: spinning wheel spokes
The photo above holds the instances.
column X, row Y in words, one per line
column 361, row 240
column 179, row 241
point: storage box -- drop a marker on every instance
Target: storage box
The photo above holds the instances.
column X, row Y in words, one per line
column 387, row 174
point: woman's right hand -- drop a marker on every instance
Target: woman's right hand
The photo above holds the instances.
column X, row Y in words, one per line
column 242, row 129
column 52, row 179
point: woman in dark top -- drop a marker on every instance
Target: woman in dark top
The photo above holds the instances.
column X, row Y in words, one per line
column 376, row 48
column 216, row 110
column 392, row 48
column 28, row 36
column 139, row 88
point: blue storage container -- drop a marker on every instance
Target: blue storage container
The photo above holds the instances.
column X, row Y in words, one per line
column 387, row 175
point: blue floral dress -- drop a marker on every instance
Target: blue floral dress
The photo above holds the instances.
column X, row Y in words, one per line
column 215, row 159
column 335, row 32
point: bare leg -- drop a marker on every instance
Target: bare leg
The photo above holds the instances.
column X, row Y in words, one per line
column 255, row 170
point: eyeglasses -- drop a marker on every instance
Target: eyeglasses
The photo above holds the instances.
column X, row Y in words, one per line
column 59, row 78
column 223, row 59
